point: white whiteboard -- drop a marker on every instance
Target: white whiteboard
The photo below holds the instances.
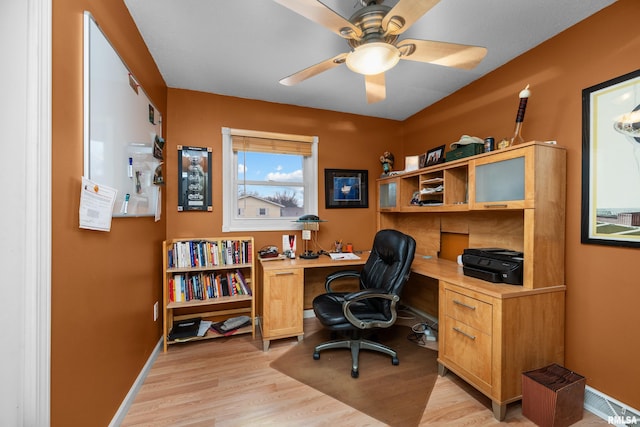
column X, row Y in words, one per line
column 120, row 126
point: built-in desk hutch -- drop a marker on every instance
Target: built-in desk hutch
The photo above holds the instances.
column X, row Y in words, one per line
column 512, row 198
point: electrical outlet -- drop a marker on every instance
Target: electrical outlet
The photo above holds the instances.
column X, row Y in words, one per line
column 155, row 311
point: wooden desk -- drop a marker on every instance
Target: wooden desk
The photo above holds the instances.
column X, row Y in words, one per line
column 490, row 333
column 451, row 272
column 287, row 288
column 322, row 261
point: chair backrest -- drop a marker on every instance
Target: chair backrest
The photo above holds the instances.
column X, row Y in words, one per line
column 388, row 265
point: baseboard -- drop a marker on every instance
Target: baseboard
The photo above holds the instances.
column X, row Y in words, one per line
column 307, row 314
column 128, row 399
column 609, row 409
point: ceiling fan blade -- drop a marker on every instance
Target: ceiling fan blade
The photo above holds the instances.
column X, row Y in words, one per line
column 314, row 70
column 375, row 87
column 321, row 14
column 404, row 14
column 441, row 53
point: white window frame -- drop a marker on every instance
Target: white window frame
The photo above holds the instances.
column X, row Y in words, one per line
column 230, row 199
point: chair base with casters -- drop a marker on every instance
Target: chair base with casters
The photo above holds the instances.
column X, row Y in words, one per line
column 373, row 306
column 356, row 344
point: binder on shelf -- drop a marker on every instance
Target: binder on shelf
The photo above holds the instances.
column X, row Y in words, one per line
column 185, row 329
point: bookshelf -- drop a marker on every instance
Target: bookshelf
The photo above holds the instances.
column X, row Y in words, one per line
column 211, row 278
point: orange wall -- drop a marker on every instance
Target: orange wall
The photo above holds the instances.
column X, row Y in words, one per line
column 103, row 284
column 602, row 289
column 345, row 142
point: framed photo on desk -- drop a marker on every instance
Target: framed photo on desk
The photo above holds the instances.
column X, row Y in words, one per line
column 346, row 188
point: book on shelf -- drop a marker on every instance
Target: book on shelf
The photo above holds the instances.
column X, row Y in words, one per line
column 224, row 284
column 209, row 253
column 207, row 285
column 243, row 283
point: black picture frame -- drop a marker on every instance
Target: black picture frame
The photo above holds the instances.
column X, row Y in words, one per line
column 610, row 212
column 194, row 179
column 435, row 156
column 346, row 188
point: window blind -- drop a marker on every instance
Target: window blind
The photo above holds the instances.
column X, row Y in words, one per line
column 265, row 142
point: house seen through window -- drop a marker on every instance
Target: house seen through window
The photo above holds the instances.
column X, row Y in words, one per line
column 269, row 179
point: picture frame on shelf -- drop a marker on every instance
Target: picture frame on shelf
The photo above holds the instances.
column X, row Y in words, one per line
column 611, row 162
column 435, row 156
column 422, row 160
column 346, row 188
column 194, row 179
column 411, row 163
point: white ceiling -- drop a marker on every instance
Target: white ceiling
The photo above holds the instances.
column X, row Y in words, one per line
column 242, row 48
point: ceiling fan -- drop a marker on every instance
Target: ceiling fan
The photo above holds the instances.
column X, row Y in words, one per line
column 372, row 34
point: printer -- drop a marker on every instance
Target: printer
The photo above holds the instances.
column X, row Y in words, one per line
column 495, row 265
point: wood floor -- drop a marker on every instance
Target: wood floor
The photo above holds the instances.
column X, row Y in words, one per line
column 228, row 382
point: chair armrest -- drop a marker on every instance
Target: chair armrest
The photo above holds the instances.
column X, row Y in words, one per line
column 342, row 274
column 366, row 294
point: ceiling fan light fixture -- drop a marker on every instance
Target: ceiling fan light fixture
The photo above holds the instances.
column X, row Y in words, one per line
column 373, row 58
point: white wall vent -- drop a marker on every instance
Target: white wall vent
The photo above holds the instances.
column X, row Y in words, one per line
column 614, row 412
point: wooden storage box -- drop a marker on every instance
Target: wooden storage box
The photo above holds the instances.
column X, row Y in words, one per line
column 464, row 151
column 552, row 396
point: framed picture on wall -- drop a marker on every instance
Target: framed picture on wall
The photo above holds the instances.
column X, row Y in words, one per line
column 346, row 188
column 194, row 179
column 611, row 162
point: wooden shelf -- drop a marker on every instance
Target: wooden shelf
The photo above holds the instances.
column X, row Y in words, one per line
column 207, row 268
column 212, row 335
column 211, row 307
column 210, row 301
column 433, row 209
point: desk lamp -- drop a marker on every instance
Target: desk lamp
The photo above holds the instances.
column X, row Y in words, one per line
column 310, row 224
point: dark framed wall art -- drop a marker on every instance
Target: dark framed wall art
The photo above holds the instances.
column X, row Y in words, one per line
column 194, row 179
column 611, row 162
column 346, row 188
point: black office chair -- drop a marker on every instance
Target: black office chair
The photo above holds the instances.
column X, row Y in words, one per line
column 374, row 305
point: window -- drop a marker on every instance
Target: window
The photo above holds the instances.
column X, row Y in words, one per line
column 269, row 179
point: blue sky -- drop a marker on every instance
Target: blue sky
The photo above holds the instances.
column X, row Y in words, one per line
column 266, row 169
column 269, row 167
